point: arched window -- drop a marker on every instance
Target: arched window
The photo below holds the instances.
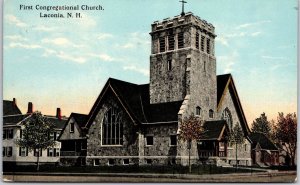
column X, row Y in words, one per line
column 226, row 115
column 198, row 111
column 211, row 113
column 112, row 128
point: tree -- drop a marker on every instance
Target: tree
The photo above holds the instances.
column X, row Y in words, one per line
column 286, row 134
column 236, row 136
column 190, row 129
column 262, row 125
column 35, row 134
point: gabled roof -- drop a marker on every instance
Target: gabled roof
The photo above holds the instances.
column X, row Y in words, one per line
column 10, row 108
column 59, row 123
column 136, row 101
column 264, row 142
column 222, row 82
column 14, row 120
column 214, row 130
column 17, row 119
column 225, row 82
column 163, row 112
column 80, row 119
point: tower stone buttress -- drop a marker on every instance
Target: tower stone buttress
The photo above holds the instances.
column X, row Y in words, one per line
column 182, row 63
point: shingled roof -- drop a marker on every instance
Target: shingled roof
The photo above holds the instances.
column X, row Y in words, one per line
column 222, row 81
column 13, row 120
column 10, row 108
column 59, row 123
column 136, row 99
column 79, row 118
column 263, row 141
column 226, row 82
column 213, row 129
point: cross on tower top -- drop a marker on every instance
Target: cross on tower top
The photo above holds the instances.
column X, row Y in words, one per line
column 182, row 1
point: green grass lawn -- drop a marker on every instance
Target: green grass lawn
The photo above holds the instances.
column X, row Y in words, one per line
column 172, row 169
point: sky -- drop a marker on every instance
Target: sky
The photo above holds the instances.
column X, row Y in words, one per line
column 65, row 62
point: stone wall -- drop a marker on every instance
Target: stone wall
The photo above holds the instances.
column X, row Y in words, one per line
column 161, row 152
column 243, row 153
column 244, row 156
column 193, row 71
column 168, row 85
column 203, row 87
column 95, row 148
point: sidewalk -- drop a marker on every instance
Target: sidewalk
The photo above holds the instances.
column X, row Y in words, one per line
column 144, row 177
column 154, row 175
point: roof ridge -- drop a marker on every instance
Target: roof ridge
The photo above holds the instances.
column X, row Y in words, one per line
column 122, row 81
column 226, row 74
column 79, row 114
column 8, row 100
column 12, row 115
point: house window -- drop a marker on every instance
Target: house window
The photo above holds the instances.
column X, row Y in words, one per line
column 8, row 134
column 173, row 140
column 149, row 161
column 245, row 147
column 112, row 128
column 57, row 152
column 4, row 134
column 211, row 113
column 198, row 111
column 52, row 136
column 37, row 153
column 3, row 151
column 202, row 43
column 125, row 161
column 226, row 115
column 23, row 151
column 149, row 140
column 50, row 152
column 169, row 65
column 197, row 40
column 171, row 41
column 9, row 151
column 111, row 162
column 96, row 162
column 180, row 40
column 208, row 46
column 53, row 152
column 72, row 127
column 162, row 44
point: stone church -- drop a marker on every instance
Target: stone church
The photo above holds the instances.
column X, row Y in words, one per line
column 139, row 124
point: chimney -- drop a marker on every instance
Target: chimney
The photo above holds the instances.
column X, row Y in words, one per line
column 14, row 102
column 30, row 108
column 58, row 113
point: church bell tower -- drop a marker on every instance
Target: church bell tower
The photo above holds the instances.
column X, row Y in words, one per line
column 182, row 62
